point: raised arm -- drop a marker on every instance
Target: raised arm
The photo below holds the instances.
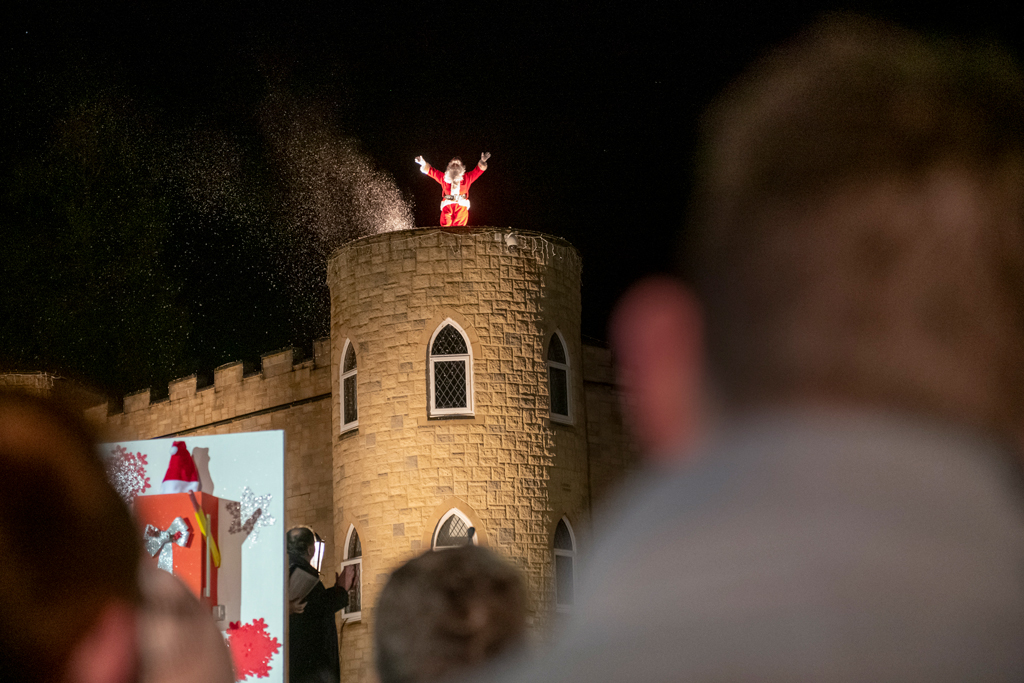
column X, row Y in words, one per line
column 428, row 169
column 480, row 167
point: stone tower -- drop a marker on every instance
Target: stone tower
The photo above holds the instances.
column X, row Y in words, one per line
column 457, row 401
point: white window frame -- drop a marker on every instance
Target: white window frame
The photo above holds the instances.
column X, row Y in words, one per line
column 571, row 554
column 467, row 358
column 346, row 426
column 557, row 417
column 454, row 512
column 358, row 562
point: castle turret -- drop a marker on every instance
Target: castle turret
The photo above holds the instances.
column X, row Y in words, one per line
column 458, row 401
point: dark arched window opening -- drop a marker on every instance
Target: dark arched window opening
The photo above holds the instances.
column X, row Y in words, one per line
column 565, row 569
column 558, row 379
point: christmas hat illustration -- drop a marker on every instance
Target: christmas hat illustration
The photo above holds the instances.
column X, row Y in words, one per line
column 182, row 475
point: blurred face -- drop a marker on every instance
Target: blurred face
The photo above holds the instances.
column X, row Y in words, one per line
column 94, row 638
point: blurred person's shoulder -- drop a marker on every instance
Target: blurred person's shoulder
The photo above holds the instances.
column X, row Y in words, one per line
column 178, row 640
column 796, row 540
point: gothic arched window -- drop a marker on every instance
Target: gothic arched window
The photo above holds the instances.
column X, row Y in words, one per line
column 349, row 405
column 451, row 371
column 565, row 569
column 558, row 379
column 452, row 530
column 354, row 556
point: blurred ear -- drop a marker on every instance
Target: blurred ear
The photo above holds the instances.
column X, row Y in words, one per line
column 108, row 652
column 657, row 335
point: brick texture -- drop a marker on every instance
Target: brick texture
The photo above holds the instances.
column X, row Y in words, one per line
column 612, row 454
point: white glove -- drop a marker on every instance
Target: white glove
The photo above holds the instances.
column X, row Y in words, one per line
column 483, row 159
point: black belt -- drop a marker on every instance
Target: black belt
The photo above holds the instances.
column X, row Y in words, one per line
column 455, row 197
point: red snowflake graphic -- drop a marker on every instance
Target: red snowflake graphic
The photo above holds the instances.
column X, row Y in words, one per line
column 127, row 472
column 251, row 648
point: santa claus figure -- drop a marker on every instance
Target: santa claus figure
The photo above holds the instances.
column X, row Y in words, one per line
column 455, row 182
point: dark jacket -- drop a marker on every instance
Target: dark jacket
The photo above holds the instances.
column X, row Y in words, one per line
column 313, row 636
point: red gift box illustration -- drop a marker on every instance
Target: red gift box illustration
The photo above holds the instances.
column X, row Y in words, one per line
column 168, row 521
column 180, row 526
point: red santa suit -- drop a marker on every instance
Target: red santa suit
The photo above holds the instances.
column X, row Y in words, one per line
column 454, row 196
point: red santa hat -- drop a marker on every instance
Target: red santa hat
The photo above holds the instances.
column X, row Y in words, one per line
column 182, row 475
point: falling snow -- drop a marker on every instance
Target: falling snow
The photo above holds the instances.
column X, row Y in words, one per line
column 183, row 247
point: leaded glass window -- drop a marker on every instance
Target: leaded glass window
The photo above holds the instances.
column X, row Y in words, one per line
column 451, row 381
column 448, row 342
column 564, row 547
column 452, row 531
column 349, row 404
column 449, row 384
column 558, row 379
column 354, row 556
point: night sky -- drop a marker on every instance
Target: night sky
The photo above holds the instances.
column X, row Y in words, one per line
column 172, row 175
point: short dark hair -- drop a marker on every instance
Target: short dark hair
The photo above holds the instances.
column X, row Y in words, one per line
column 55, row 501
column 299, row 539
column 446, row 611
column 824, row 264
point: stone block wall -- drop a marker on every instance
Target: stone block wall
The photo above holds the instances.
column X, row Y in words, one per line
column 613, row 455
column 509, row 468
column 47, row 384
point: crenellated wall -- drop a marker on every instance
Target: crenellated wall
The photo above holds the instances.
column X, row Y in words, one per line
column 282, row 394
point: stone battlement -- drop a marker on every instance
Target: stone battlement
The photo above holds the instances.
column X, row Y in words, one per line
column 285, row 393
column 234, row 394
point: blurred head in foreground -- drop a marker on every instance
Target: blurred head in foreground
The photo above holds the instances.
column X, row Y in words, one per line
column 856, row 237
column 178, row 640
column 69, row 553
column 446, row 612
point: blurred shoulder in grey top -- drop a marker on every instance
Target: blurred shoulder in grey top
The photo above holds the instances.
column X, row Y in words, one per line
column 833, row 390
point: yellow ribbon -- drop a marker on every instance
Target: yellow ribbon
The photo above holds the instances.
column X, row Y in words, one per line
column 201, row 523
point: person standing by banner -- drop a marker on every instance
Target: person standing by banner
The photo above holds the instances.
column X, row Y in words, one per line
column 313, row 635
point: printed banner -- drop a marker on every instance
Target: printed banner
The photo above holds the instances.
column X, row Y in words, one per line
column 211, row 509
